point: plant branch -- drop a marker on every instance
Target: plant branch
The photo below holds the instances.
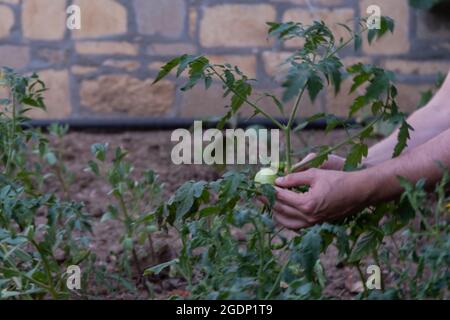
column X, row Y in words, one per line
column 288, row 128
column 297, row 167
column 345, row 43
column 48, row 272
column 257, row 108
column 276, row 284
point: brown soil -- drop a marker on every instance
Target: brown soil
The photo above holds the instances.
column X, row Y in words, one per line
column 151, row 150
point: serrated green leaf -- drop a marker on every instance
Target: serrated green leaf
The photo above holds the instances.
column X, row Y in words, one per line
column 184, row 201
column 359, row 80
column 402, row 138
column 331, row 68
column 160, row 267
column 295, row 81
column 365, row 245
column 197, row 69
column 386, row 24
column 308, row 251
column 242, row 90
column 185, row 60
column 357, row 105
column 342, row 240
column 314, row 85
column 378, row 86
column 355, row 156
column 167, row 68
column 321, row 158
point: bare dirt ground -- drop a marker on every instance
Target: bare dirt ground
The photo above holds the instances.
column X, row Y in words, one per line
column 151, row 150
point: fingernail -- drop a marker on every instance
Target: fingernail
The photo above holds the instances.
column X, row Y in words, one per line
column 279, row 180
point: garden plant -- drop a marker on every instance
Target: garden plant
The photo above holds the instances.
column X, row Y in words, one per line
column 267, row 264
column 230, row 246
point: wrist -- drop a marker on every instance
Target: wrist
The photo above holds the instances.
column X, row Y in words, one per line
column 366, row 183
column 371, row 161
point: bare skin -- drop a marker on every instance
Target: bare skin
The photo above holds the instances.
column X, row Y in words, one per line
column 334, row 194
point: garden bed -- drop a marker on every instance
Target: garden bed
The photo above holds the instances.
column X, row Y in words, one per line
column 151, row 150
column 141, row 227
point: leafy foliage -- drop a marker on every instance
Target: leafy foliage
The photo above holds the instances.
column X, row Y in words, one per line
column 42, row 233
column 231, row 248
column 135, row 199
column 39, row 233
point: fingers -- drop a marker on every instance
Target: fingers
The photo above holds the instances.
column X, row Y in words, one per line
column 301, row 165
column 292, row 212
column 287, row 210
column 287, row 216
column 289, row 197
column 297, row 179
column 289, row 223
column 286, row 205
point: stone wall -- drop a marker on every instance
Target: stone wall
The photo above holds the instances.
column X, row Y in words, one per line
column 106, row 68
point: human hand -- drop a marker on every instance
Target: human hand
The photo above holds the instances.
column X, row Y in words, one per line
column 332, row 195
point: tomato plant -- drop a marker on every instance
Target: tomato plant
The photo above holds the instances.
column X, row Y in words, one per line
column 135, row 199
column 39, row 232
column 42, row 230
column 231, row 247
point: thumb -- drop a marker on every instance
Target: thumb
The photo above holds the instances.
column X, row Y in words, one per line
column 301, row 165
column 296, row 179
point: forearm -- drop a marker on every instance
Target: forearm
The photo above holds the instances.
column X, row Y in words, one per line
column 428, row 122
column 381, row 181
column 426, row 127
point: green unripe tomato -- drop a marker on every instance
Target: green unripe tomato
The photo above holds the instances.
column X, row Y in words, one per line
column 266, row 176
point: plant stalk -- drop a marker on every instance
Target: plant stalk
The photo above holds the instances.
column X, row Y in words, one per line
column 336, row 147
column 257, row 108
column 47, row 269
column 361, row 276
column 288, row 129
